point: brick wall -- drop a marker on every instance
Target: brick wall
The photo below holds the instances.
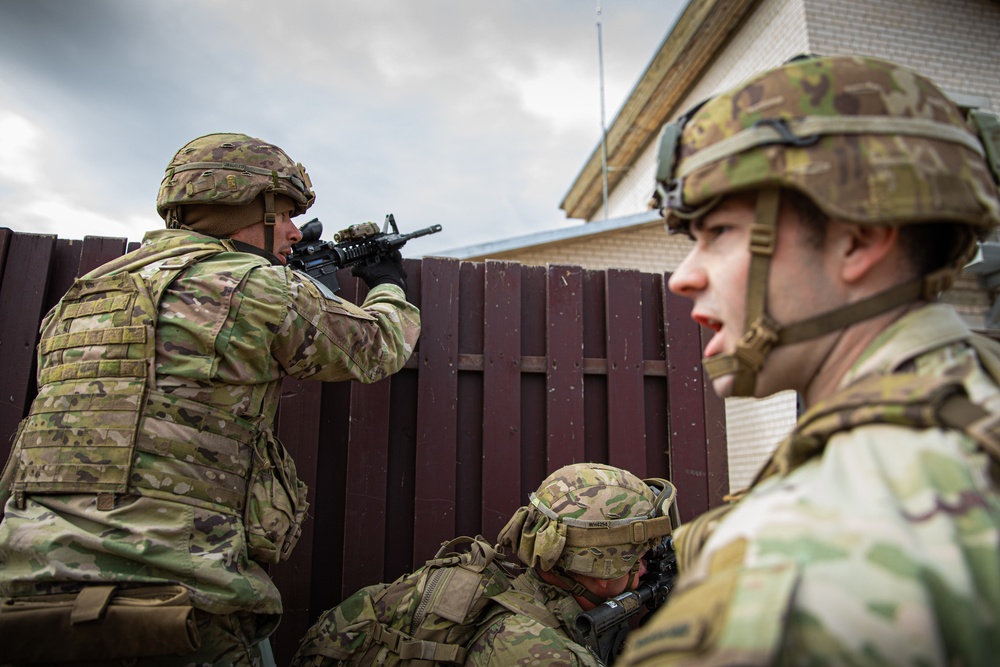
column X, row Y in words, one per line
column 648, row 248
column 761, row 424
column 953, row 42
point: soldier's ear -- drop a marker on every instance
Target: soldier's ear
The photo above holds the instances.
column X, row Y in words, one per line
column 861, row 249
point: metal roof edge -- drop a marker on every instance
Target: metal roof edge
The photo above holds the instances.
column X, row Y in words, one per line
column 551, row 236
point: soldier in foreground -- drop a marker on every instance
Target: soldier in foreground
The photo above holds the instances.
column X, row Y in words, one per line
column 582, row 538
column 830, row 201
column 146, row 491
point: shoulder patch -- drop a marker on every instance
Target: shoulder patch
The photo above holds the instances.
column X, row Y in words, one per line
column 733, row 617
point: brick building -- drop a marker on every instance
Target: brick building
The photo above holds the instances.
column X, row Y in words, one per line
column 713, row 45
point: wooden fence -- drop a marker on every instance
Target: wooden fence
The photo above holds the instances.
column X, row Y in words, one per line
column 519, row 370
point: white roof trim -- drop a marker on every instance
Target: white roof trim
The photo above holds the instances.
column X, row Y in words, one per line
column 551, row 236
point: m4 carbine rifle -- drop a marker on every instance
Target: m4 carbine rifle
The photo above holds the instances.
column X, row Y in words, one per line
column 363, row 243
column 603, row 628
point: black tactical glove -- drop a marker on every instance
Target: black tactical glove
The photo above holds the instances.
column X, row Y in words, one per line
column 389, row 269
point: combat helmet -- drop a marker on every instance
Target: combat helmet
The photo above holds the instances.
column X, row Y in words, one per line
column 591, row 519
column 866, row 140
column 228, row 169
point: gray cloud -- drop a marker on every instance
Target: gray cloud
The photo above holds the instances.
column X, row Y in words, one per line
column 474, row 115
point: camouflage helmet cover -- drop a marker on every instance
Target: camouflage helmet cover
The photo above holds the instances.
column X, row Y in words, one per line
column 231, row 169
column 868, row 141
column 590, row 519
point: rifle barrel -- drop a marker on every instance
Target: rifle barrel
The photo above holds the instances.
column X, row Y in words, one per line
column 433, row 229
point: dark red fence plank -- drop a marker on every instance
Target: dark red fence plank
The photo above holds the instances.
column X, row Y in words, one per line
column 626, row 421
column 99, row 250
column 595, row 385
column 298, row 429
column 686, row 397
column 502, row 388
column 437, row 403
column 22, row 302
column 367, row 469
column 65, row 269
column 564, row 390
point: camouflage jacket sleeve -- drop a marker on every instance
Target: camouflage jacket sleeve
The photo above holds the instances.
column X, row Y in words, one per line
column 514, row 639
column 332, row 339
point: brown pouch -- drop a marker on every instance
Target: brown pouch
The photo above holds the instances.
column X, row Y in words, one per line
column 98, row 623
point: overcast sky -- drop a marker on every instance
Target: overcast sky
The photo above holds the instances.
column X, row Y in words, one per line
column 474, row 114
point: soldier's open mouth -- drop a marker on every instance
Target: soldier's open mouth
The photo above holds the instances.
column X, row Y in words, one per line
column 717, row 344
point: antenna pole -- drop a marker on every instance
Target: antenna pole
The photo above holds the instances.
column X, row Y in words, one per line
column 604, row 131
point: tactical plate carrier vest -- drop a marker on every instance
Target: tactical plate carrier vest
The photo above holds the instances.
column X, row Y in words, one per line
column 99, row 424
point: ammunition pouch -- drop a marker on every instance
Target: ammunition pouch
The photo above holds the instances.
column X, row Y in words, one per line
column 276, row 503
column 98, row 623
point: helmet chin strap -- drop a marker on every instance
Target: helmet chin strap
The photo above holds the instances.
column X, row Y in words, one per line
column 269, row 219
column 577, row 588
column 173, row 218
column 763, row 333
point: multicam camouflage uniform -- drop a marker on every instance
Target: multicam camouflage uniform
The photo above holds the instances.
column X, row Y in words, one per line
column 148, row 455
column 585, row 518
column 871, row 537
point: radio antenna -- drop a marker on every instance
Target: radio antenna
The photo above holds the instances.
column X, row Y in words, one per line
column 604, row 130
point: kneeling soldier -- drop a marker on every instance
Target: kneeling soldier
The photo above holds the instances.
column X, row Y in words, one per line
column 582, row 538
